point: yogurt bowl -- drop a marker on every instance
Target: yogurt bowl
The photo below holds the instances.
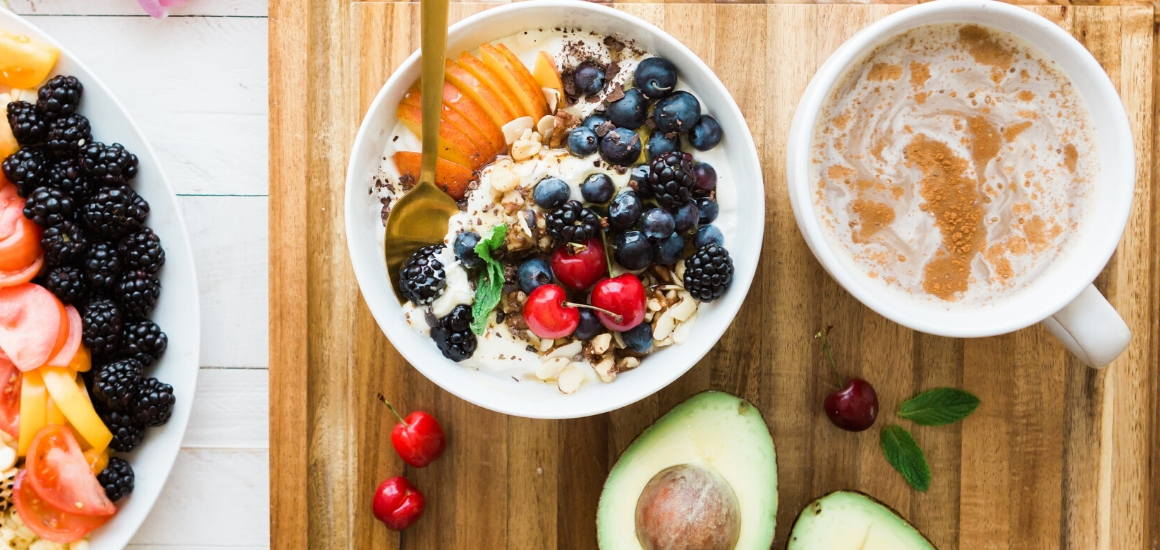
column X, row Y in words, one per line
column 528, row 398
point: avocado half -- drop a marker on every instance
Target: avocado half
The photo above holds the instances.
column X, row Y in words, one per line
column 848, row 520
column 703, row 477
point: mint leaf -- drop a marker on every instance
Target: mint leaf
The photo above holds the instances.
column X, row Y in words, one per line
column 489, row 288
column 904, row 454
column 939, row 407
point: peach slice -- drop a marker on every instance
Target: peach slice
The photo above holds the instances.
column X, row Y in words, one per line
column 547, row 75
column 481, row 93
column 517, row 78
column 475, row 114
column 450, row 116
column 453, row 144
column 494, row 82
column 452, row 178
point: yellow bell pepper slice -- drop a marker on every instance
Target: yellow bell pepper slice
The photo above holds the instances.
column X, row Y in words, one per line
column 75, row 404
column 97, row 460
column 53, row 414
column 33, row 409
column 82, row 361
column 24, row 62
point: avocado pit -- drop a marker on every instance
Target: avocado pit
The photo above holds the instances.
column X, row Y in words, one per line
column 688, row 507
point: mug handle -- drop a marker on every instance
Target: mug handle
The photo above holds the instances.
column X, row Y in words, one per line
column 1090, row 328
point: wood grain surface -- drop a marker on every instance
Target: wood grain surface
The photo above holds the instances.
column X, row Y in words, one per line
column 1058, row 455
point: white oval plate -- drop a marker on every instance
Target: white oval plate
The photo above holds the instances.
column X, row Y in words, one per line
column 177, row 310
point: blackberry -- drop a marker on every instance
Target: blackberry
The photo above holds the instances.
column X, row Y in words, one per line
column 116, row 384
column 102, row 266
column 708, row 272
column 101, row 322
column 142, row 250
column 137, row 292
column 48, row 207
column 67, row 176
column 127, row 431
column 108, row 164
column 117, row 479
column 453, row 334
column 28, row 127
column 63, row 243
column 422, row 277
column 573, row 223
column 59, row 97
column 67, row 284
column 671, row 180
column 154, row 402
column 114, row 212
column 143, row 341
column 27, row 169
column 66, row 135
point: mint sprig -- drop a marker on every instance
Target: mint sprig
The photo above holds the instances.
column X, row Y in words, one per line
column 939, row 407
column 489, row 288
column 904, row 454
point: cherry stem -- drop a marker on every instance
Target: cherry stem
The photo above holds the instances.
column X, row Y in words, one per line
column 615, row 316
column 388, row 404
column 830, row 354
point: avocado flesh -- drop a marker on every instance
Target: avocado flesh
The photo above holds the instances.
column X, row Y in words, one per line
column 713, row 430
column 847, row 520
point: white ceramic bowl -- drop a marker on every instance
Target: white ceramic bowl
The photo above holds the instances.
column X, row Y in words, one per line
column 532, row 399
column 177, row 310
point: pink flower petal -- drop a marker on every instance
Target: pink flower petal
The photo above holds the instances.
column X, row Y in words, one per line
column 158, row 8
column 173, row 3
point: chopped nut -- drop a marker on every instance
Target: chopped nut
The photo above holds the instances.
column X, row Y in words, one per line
column 654, row 305
column 679, row 271
column 648, row 316
column 627, row 363
column 503, row 180
column 664, row 325
column 684, row 309
column 512, row 201
column 569, row 379
column 681, row 333
column 606, row 370
column 671, row 296
column 524, row 149
column 546, row 344
column 601, row 343
column 616, row 337
column 668, row 341
column 546, row 126
column 663, row 273
column 551, row 367
column 573, row 349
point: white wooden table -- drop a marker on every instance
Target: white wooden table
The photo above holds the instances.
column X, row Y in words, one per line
column 196, row 84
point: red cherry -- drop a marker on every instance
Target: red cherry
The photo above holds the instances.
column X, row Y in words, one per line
column 418, row 439
column 579, row 267
column 621, row 296
column 398, row 504
column 547, row 315
column 853, row 408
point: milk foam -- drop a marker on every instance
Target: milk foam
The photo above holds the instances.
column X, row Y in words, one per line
column 954, row 163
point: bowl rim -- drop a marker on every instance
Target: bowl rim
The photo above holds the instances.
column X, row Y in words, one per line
column 559, row 408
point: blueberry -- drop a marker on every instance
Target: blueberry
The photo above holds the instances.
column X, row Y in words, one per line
column 589, row 325
column 465, row 250
column 668, row 250
column 632, row 250
column 708, row 208
column 533, row 274
column 687, row 217
column 629, row 111
column 706, row 178
column 624, row 210
column 551, row 193
column 658, row 223
column 620, row 147
column 639, row 176
column 593, row 121
column 677, row 112
column 706, row 133
column 638, row 338
column 582, row 142
column 655, row 77
column 597, row 188
column 589, row 78
column 706, row 235
column 659, row 144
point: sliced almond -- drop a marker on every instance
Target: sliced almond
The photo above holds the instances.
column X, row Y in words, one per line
column 666, row 342
column 627, row 363
column 606, row 369
column 601, row 343
column 571, row 350
column 546, row 125
column 514, row 129
column 502, row 179
column 551, row 367
column 525, row 148
column 569, row 379
column 616, row 337
column 546, row 344
column 654, row 305
column 683, row 330
column 679, row 271
column 7, row 457
column 664, row 326
column 684, row 309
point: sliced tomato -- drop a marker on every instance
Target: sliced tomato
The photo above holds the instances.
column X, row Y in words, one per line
column 14, row 278
column 69, row 339
column 9, row 397
column 30, row 324
column 60, row 474
column 11, row 208
column 47, row 521
column 22, row 247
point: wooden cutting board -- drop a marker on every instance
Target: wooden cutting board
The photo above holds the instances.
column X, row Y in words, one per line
column 1058, row 455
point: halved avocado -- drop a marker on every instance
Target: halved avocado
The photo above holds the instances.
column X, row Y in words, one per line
column 703, row 477
column 848, row 520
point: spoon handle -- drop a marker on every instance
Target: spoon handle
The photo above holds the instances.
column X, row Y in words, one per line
column 434, row 23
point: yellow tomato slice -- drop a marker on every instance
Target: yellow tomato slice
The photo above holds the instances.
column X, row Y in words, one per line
column 74, row 403
column 24, row 62
column 33, row 409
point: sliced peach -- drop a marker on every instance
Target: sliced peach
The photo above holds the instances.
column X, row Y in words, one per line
column 450, row 116
column 24, row 62
column 501, row 60
column 8, row 144
column 483, row 95
column 453, row 144
column 475, row 114
column 452, row 178
column 546, row 73
column 495, row 83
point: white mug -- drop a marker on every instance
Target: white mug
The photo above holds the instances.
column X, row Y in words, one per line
column 1062, row 297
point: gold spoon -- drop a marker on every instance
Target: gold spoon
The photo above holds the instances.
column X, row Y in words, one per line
column 420, row 216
